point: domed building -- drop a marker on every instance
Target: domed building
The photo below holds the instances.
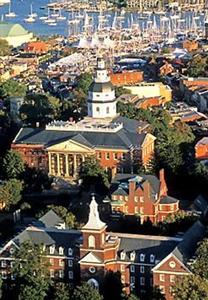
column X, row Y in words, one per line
column 14, row 34
column 120, row 144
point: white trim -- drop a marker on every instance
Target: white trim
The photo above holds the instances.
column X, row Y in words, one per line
column 11, row 242
column 166, row 258
column 172, row 272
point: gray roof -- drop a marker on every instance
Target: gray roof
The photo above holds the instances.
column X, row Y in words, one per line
column 187, row 247
column 101, row 87
column 168, row 200
column 123, row 139
column 48, row 237
column 121, row 181
column 159, row 247
column 50, row 219
column 200, row 203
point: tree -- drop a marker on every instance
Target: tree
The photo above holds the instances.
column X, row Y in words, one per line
column 35, row 180
column 86, row 292
column 121, row 91
column 5, row 49
column 132, row 297
column 10, row 192
column 62, row 291
column 155, row 294
column 13, row 164
column 190, row 287
column 92, row 173
column 112, row 286
column 68, row 217
column 31, row 272
column 200, row 266
column 197, row 66
column 84, row 81
column 39, row 108
column 12, row 88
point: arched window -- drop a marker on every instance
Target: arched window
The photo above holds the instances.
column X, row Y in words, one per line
column 93, row 282
column 107, row 110
column 91, row 241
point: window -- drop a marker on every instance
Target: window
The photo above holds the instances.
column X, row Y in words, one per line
column 11, row 250
column 61, row 263
column 70, row 251
column 142, row 269
column 172, row 278
column 126, row 198
column 71, row 275
column 162, row 289
column 52, row 249
column 99, row 155
column 142, row 257
column 61, row 250
column 136, row 199
column 115, row 155
column 12, row 263
column 162, row 277
column 98, row 109
column 107, row 110
column 107, row 155
column 123, row 156
column 121, row 198
column 172, row 264
column 141, row 210
column 132, row 255
column 4, row 274
column 132, row 268
column 123, row 255
column 3, row 264
column 136, row 210
column 132, row 279
column 70, row 263
column 52, row 273
column 141, row 198
column 142, row 281
column 51, row 261
column 122, row 268
column 91, row 241
column 152, row 258
column 61, row 274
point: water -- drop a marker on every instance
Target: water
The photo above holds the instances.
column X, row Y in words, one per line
column 22, row 9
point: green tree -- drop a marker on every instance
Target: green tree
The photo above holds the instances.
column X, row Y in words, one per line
column 62, row 291
column 86, row 292
column 200, row 266
column 12, row 88
column 10, row 192
column 39, row 108
column 84, row 81
column 5, row 49
column 197, row 66
column 190, row 287
column 132, row 297
column 13, row 164
column 31, row 272
column 112, row 286
column 92, row 173
column 155, row 294
column 35, row 180
column 121, row 91
column 68, row 217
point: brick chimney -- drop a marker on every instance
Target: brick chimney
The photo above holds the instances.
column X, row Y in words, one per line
column 163, row 185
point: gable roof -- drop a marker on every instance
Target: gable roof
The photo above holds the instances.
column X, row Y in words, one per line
column 91, row 258
column 50, row 219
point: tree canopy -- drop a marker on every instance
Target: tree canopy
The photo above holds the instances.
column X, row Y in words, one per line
column 13, row 165
column 68, row 217
column 12, row 88
column 5, row 48
column 86, row 292
column 10, row 192
column 84, row 81
column 198, row 66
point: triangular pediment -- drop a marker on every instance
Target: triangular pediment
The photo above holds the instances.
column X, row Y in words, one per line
column 70, row 146
column 91, row 258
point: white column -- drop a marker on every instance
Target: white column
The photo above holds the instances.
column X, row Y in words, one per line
column 67, row 165
column 74, row 165
column 58, row 164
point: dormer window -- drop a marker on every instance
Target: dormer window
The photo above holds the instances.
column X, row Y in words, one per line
column 52, row 249
column 61, row 250
column 132, row 255
column 70, row 252
column 123, row 255
column 152, row 258
column 142, row 257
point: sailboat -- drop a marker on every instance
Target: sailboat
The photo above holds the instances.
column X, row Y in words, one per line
column 31, row 16
column 10, row 14
column 60, row 17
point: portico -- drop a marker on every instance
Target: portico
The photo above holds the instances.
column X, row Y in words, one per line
column 66, row 158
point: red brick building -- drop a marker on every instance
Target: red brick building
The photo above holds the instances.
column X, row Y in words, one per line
column 201, row 149
column 36, row 47
column 116, row 141
column 145, row 196
column 126, row 78
column 143, row 261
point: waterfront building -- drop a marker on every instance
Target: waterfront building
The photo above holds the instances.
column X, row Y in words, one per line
column 14, row 34
column 144, row 196
column 117, row 142
column 143, row 261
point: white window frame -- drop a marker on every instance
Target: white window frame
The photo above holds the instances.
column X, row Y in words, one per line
column 61, row 263
column 132, row 268
column 70, row 263
column 142, row 269
column 52, row 249
column 142, row 281
column 61, row 250
column 4, row 275
column 142, row 257
column 70, row 251
column 61, row 273
column 122, row 267
column 162, row 277
column 51, row 261
column 152, row 258
column 52, row 273
column 71, row 275
column 3, row 264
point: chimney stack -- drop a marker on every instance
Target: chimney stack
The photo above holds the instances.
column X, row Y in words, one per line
column 163, row 185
